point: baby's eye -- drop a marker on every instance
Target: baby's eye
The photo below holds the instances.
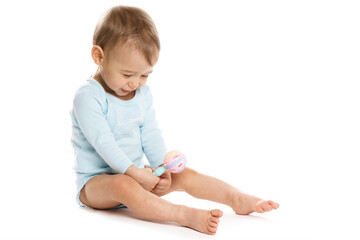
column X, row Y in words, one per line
column 144, row 76
column 127, row 75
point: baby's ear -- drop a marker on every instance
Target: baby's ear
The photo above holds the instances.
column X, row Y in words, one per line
column 97, row 54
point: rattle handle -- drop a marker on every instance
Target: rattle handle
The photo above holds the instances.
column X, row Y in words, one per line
column 159, row 171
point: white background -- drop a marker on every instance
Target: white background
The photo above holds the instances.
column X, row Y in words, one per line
column 262, row 94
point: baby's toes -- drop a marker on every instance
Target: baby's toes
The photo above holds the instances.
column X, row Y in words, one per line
column 266, row 206
column 214, row 220
column 211, row 230
column 273, row 204
column 263, row 206
column 216, row 213
column 213, row 225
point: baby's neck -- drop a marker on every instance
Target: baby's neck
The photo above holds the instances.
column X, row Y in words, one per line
column 100, row 80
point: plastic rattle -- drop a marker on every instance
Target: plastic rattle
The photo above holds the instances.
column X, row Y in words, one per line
column 174, row 162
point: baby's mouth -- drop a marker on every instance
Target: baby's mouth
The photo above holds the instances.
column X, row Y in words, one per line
column 124, row 91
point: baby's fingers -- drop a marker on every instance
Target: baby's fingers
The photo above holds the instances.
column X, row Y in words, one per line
column 158, row 189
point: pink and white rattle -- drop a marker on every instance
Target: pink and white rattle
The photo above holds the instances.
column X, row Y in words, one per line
column 174, row 162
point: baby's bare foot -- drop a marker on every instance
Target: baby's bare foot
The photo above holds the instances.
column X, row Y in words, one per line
column 202, row 220
column 245, row 204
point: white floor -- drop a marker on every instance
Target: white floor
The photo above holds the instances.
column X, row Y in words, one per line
column 293, row 220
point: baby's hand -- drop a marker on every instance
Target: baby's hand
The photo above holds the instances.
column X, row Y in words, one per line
column 143, row 176
column 164, row 183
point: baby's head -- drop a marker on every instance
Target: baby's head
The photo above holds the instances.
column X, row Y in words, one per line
column 125, row 47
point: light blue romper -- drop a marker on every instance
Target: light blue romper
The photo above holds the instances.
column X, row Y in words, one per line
column 110, row 134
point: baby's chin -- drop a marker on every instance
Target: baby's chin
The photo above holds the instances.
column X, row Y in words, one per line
column 120, row 93
column 125, row 96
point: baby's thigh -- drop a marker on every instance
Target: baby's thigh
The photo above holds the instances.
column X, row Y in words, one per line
column 102, row 191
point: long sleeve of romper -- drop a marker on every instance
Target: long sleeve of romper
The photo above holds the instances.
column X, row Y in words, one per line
column 92, row 122
column 152, row 141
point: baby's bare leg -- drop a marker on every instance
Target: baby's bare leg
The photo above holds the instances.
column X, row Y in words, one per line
column 209, row 188
column 107, row 191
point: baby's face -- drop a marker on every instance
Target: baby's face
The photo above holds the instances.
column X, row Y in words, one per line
column 124, row 70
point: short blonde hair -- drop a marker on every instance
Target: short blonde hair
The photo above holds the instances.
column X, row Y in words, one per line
column 128, row 25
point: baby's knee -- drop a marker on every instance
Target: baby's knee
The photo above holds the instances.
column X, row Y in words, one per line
column 123, row 183
column 189, row 171
column 183, row 179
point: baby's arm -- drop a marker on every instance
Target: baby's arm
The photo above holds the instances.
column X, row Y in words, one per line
column 91, row 120
column 151, row 138
column 153, row 143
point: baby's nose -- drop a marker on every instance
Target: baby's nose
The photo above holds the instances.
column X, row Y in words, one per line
column 133, row 84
